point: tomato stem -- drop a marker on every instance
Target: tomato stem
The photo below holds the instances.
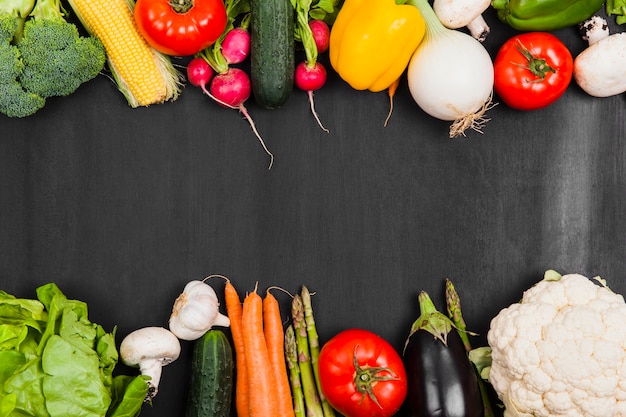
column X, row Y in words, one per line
column 367, row 376
column 181, row 6
column 536, row 65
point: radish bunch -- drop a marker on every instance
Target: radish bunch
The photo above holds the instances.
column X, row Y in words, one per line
column 214, row 70
column 314, row 34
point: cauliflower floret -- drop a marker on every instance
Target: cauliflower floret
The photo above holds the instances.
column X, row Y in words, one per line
column 561, row 351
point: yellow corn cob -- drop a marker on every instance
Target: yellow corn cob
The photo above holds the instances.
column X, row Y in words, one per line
column 144, row 75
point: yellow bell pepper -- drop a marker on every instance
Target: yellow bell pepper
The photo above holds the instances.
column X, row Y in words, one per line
column 372, row 41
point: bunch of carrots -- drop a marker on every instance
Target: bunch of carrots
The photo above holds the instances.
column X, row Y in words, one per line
column 276, row 369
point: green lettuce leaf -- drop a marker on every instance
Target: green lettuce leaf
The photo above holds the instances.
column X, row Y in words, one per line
column 129, row 394
column 54, row 362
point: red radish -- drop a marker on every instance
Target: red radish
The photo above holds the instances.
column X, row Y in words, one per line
column 311, row 78
column 321, row 34
column 199, row 73
column 236, row 45
column 231, row 89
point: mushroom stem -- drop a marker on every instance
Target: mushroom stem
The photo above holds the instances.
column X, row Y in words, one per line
column 594, row 29
column 152, row 368
column 479, row 28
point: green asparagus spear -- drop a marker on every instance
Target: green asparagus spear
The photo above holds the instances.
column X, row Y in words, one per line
column 453, row 303
column 314, row 346
column 291, row 351
column 309, row 388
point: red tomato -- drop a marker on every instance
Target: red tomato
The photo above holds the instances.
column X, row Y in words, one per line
column 180, row 28
column 532, row 70
column 361, row 374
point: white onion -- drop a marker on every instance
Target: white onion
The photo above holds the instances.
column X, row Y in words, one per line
column 450, row 75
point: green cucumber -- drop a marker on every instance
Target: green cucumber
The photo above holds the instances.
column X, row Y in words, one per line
column 212, row 369
column 272, row 61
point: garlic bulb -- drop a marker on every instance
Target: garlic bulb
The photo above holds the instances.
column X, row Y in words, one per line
column 196, row 311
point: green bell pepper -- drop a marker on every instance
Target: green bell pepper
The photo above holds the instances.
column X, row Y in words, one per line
column 545, row 15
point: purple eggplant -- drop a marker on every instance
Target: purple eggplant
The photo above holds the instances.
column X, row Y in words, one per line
column 442, row 381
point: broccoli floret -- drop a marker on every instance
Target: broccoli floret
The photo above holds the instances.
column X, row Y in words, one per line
column 14, row 100
column 57, row 58
column 11, row 65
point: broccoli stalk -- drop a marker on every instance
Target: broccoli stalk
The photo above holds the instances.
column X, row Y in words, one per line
column 57, row 58
column 17, row 11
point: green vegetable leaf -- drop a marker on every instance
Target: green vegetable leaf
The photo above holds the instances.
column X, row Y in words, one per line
column 55, row 362
column 325, row 10
column 71, row 382
column 617, row 7
column 129, row 394
column 26, row 385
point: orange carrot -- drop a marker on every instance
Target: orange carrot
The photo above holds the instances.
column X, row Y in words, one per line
column 274, row 338
column 392, row 92
column 263, row 395
column 234, row 309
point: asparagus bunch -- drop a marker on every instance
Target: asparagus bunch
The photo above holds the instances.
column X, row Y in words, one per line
column 291, row 353
column 453, row 303
column 302, row 351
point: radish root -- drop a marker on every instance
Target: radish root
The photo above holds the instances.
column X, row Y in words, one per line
column 391, row 91
column 390, row 110
column 312, row 103
column 244, row 111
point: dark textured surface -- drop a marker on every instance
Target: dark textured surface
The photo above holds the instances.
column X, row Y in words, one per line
column 121, row 207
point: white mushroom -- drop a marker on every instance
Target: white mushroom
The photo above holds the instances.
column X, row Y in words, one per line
column 150, row 349
column 600, row 70
column 455, row 14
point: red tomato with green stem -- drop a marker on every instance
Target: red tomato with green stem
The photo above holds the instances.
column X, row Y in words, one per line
column 532, row 70
column 180, row 27
column 361, row 374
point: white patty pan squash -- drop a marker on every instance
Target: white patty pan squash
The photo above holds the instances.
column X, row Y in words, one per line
column 561, row 350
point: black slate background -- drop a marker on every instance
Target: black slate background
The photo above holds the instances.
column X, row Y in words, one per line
column 122, row 207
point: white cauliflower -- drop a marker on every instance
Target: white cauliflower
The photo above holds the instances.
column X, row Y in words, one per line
column 561, row 351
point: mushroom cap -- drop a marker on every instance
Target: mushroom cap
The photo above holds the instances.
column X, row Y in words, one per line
column 149, row 343
column 456, row 14
column 600, row 70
